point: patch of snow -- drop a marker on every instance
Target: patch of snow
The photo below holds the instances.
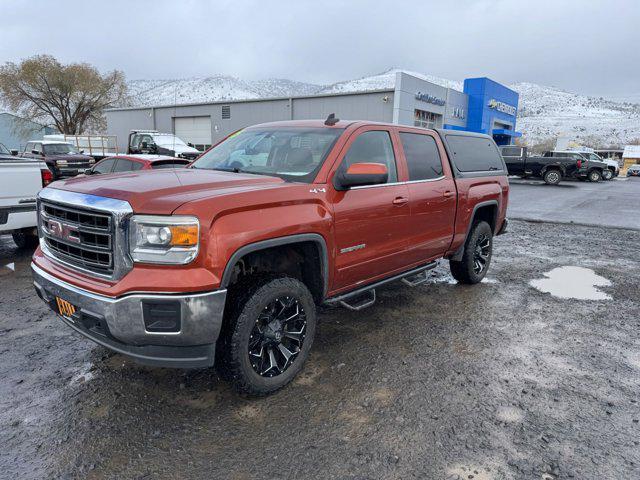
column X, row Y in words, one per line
column 84, row 374
column 489, row 280
column 573, row 282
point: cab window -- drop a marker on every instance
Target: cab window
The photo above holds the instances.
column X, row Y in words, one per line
column 373, row 146
column 423, row 158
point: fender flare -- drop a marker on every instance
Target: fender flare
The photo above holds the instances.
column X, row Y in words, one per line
column 460, row 251
column 316, row 238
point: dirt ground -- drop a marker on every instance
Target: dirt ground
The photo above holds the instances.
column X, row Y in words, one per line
column 493, row 381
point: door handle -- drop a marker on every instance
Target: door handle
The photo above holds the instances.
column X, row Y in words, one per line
column 400, row 200
column 447, row 194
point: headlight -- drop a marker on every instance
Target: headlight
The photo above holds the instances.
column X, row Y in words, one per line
column 155, row 239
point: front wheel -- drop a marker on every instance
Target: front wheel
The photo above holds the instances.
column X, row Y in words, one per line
column 476, row 256
column 267, row 335
column 552, row 177
column 595, row 176
column 607, row 175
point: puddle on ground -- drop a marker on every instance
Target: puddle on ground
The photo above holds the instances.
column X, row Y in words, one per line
column 573, row 282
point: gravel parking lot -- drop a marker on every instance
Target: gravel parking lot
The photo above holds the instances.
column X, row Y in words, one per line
column 493, row 381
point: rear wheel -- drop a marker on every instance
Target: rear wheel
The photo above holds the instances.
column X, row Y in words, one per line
column 267, row 335
column 476, row 257
column 26, row 238
column 595, row 176
column 552, row 177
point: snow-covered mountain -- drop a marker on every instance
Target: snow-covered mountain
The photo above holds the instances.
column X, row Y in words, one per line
column 548, row 112
column 211, row 89
column 544, row 111
column 385, row 80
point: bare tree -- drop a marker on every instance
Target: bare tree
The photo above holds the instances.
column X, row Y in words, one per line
column 72, row 97
column 544, row 145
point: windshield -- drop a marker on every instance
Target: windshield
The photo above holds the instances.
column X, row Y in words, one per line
column 4, row 149
column 290, row 153
column 59, row 148
column 168, row 141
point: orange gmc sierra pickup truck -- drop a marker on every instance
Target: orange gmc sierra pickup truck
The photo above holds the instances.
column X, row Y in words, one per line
column 225, row 261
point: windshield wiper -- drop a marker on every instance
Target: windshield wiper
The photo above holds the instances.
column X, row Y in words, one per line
column 234, row 170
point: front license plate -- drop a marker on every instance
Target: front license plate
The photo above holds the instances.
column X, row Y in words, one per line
column 65, row 308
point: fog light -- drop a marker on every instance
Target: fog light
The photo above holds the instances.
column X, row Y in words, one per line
column 161, row 316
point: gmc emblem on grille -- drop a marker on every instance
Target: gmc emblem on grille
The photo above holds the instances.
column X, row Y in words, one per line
column 63, row 231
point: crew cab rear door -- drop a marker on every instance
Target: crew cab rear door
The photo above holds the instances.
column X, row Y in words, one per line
column 371, row 222
column 432, row 194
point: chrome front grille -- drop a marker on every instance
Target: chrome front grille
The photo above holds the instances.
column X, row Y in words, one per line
column 79, row 236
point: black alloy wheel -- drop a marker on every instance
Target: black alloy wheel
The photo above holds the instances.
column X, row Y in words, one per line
column 476, row 255
column 268, row 330
column 481, row 253
column 277, row 336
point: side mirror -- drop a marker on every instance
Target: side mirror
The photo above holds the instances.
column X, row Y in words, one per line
column 14, row 153
column 35, row 152
column 81, row 151
column 144, row 145
column 360, row 174
column 88, row 171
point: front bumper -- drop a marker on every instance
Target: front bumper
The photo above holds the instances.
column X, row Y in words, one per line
column 119, row 323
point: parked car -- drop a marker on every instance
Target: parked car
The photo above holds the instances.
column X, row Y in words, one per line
column 154, row 142
column 20, row 181
column 552, row 169
column 592, row 170
column 633, row 171
column 62, row 158
column 227, row 260
column 131, row 163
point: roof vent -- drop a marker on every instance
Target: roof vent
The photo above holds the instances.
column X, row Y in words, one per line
column 331, row 120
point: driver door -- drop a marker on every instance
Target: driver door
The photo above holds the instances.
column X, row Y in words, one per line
column 372, row 222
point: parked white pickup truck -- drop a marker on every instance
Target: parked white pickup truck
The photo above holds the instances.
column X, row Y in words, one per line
column 20, row 181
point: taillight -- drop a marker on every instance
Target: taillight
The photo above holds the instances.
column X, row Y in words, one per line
column 579, row 163
column 47, row 176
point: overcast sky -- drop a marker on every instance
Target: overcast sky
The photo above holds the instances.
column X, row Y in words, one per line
column 585, row 46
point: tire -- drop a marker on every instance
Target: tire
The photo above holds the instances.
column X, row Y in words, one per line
column 552, row 177
column 480, row 239
column 595, row 176
column 25, row 239
column 607, row 174
column 254, row 337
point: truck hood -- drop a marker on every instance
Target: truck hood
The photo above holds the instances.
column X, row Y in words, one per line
column 162, row 191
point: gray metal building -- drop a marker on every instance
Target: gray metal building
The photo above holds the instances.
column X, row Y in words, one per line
column 16, row 131
column 412, row 101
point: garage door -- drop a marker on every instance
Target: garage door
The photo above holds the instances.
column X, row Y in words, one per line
column 194, row 130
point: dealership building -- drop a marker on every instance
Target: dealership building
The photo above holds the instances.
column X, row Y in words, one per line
column 483, row 106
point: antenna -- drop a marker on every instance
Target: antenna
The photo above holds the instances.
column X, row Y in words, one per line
column 331, row 120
